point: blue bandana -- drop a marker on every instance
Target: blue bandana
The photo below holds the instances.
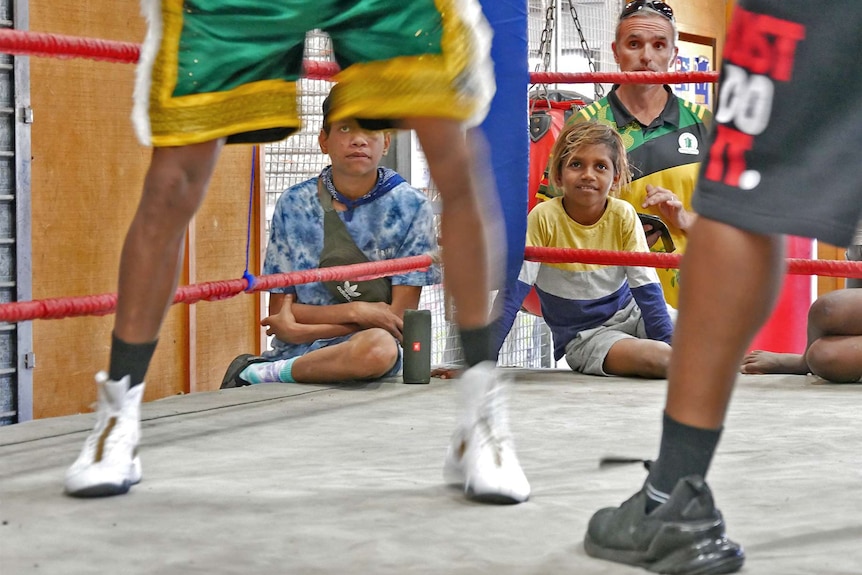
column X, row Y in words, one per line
column 386, row 181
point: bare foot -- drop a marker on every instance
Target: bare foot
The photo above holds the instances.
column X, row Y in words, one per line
column 446, row 372
column 759, row 361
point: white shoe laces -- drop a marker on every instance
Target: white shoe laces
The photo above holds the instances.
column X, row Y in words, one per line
column 493, row 422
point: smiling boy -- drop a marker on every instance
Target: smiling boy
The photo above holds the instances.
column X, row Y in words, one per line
column 605, row 320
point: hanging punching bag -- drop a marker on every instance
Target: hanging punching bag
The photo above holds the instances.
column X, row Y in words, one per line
column 786, row 329
column 547, row 118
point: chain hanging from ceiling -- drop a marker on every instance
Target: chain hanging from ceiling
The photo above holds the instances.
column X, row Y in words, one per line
column 600, row 90
column 544, row 64
column 544, row 52
column 545, row 45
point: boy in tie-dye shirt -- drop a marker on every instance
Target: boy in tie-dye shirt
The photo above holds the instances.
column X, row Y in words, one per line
column 321, row 334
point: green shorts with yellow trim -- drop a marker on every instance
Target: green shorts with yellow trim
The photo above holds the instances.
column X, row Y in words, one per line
column 228, row 68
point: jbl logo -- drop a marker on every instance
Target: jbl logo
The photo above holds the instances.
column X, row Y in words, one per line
column 417, row 346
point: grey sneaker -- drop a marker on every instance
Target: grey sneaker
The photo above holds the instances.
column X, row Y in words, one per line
column 231, row 377
column 683, row 536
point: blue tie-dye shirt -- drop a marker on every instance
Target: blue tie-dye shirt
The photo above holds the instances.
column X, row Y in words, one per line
column 398, row 224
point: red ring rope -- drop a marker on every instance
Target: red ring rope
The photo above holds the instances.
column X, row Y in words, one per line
column 622, row 77
column 27, row 43
column 24, row 43
column 56, row 308
column 795, row 266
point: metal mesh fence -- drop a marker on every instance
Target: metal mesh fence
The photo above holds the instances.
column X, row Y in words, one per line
column 567, row 53
column 298, row 158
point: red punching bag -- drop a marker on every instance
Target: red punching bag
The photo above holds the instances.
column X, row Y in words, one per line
column 546, row 123
column 547, row 119
column 786, row 329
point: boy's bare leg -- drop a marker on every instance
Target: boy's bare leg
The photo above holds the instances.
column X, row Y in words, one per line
column 464, row 224
column 729, row 282
column 838, row 312
column 837, row 358
column 174, row 188
column 638, row 358
column 368, row 354
column 834, row 323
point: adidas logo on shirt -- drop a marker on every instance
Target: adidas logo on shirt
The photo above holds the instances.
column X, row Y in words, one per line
column 349, row 291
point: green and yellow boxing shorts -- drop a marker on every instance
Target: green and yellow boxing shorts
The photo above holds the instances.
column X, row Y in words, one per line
column 228, row 68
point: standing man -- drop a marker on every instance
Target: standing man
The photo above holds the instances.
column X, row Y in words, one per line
column 664, row 135
column 773, row 168
column 215, row 72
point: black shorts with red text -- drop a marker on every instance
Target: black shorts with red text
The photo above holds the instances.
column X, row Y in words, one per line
column 786, row 144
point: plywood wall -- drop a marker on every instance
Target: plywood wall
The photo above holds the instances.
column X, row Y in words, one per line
column 87, row 174
column 705, row 18
column 826, row 284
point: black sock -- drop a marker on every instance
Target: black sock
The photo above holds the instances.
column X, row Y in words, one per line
column 477, row 345
column 130, row 359
column 684, row 451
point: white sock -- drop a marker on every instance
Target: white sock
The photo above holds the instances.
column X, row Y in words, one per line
column 270, row 372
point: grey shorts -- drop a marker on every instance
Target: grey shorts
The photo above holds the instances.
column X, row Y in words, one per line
column 587, row 352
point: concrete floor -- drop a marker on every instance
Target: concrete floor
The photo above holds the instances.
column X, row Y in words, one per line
column 308, row 479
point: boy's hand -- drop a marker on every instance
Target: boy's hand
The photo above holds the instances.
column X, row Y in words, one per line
column 670, row 207
column 283, row 325
column 377, row 314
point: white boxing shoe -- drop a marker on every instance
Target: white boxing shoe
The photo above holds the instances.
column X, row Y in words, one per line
column 482, row 455
column 109, row 463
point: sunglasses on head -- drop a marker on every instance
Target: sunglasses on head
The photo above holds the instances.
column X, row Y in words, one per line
column 636, row 6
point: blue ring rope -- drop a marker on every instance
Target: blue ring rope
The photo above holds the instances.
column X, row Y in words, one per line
column 247, row 276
